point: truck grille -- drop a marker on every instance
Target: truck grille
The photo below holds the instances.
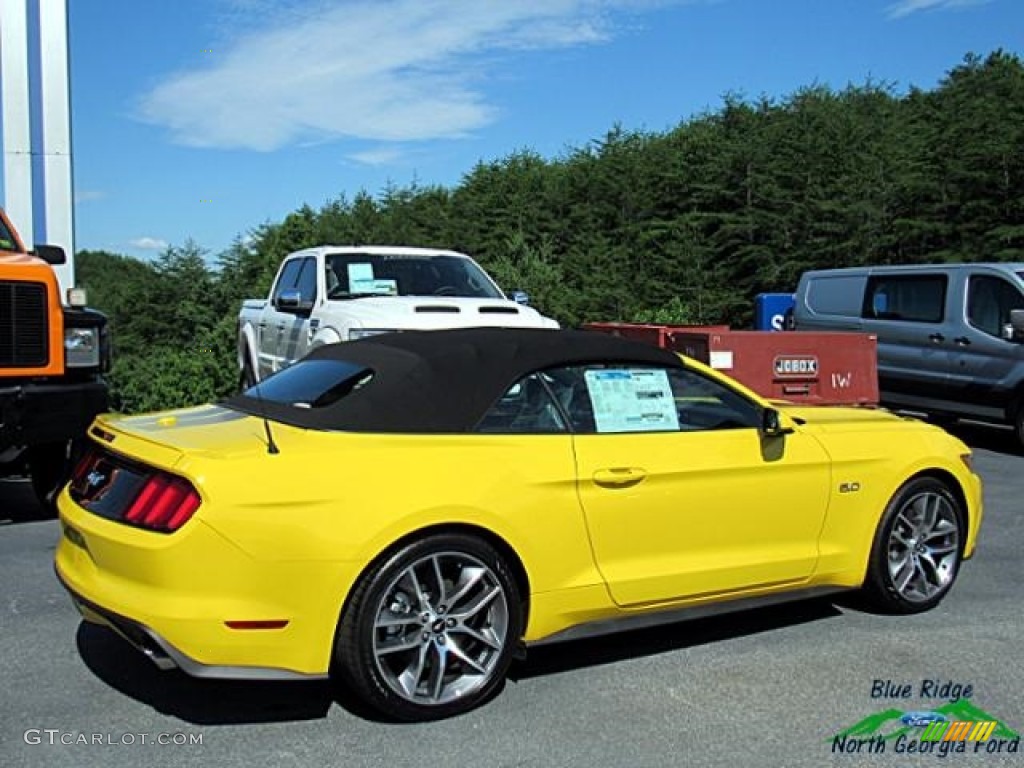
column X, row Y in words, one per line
column 24, row 330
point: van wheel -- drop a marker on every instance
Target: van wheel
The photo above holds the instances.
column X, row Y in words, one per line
column 944, row 420
column 1018, row 427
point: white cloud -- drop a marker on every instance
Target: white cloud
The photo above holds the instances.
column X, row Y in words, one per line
column 383, row 155
column 906, row 7
column 378, row 70
column 148, row 243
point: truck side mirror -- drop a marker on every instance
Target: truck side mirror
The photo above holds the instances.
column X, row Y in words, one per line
column 1016, row 325
column 291, row 301
column 520, row 297
column 51, row 254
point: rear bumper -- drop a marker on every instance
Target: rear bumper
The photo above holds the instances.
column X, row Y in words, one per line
column 176, row 597
column 32, row 413
column 163, row 654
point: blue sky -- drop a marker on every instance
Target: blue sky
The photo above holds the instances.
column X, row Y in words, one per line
column 203, row 119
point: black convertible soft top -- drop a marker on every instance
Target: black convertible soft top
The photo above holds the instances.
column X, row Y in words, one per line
column 438, row 381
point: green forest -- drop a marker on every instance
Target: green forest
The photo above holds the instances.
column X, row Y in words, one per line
column 682, row 226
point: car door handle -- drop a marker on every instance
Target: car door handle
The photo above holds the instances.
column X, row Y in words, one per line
column 936, row 337
column 619, row 477
column 962, row 341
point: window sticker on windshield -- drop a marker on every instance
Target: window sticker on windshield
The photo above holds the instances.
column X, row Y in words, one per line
column 632, row 400
column 361, row 280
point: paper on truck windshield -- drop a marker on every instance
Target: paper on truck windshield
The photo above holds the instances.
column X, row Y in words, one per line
column 361, row 280
column 632, row 400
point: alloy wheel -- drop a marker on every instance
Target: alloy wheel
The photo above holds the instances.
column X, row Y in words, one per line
column 924, row 547
column 440, row 628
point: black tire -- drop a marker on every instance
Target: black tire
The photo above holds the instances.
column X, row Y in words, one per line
column 1018, row 426
column 944, row 420
column 914, row 562
column 49, row 466
column 246, row 377
column 424, row 636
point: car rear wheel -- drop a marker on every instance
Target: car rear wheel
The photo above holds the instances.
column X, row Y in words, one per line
column 917, row 549
column 429, row 631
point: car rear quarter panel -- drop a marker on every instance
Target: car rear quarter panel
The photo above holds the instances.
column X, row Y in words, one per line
column 349, row 498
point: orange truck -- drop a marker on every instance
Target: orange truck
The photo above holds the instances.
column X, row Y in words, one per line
column 52, row 360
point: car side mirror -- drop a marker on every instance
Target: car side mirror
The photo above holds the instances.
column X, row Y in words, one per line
column 520, row 297
column 51, row 254
column 771, row 424
column 1016, row 325
column 291, row 301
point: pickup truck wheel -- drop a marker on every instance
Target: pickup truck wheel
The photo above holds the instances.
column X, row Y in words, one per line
column 917, row 549
column 429, row 631
column 246, row 377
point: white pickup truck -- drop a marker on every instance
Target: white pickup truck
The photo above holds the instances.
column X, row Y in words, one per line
column 329, row 294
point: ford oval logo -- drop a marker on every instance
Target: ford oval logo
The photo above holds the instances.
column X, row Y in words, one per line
column 921, row 719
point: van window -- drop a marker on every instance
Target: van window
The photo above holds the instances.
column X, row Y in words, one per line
column 989, row 301
column 917, row 298
column 836, row 295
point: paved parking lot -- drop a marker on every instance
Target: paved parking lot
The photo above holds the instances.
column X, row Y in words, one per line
column 767, row 688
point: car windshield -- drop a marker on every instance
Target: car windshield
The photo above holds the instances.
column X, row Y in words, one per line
column 354, row 275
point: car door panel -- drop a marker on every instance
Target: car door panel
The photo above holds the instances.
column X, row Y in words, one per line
column 983, row 364
column 713, row 512
column 294, row 327
column 273, row 321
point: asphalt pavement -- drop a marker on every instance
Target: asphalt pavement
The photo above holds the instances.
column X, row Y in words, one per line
column 766, row 688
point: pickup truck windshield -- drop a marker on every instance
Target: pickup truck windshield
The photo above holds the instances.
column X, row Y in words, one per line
column 7, row 242
column 354, row 275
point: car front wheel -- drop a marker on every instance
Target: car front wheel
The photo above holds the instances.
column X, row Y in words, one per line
column 429, row 631
column 917, row 549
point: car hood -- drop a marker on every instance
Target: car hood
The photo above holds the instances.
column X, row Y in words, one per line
column 433, row 312
column 839, row 418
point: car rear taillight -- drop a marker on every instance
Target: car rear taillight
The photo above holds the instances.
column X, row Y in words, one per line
column 165, row 503
column 125, row 491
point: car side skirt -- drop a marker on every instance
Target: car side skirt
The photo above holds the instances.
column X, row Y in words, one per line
column 675, row 615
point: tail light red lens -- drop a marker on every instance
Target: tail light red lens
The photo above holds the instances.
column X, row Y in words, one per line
column 165, row 503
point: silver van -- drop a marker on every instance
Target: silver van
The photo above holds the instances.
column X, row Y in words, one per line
column 950, row 336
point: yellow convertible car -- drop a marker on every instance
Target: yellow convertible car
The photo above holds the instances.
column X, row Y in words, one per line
column 413, row 510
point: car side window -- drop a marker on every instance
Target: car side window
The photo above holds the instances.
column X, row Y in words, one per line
column 989, row 302
column 527, row 407
column 916, row 298
column 599, row 399
column 306, row 281
column 705, row 404
column 288, row 277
